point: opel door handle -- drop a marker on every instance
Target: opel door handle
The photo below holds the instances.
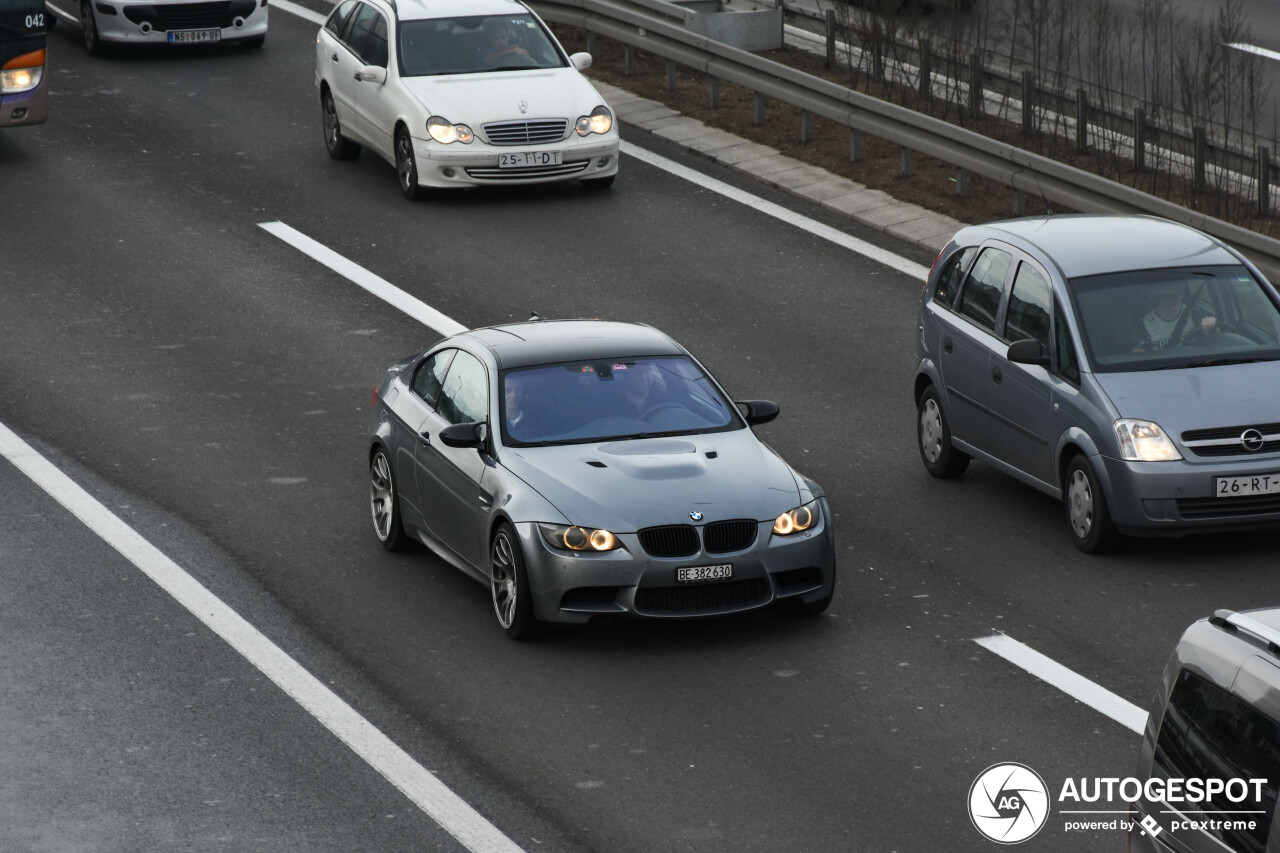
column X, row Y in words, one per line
column 996, row 375
column 946, row 344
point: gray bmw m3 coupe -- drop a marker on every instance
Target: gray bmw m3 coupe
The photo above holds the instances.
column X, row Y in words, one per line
column 584, row 469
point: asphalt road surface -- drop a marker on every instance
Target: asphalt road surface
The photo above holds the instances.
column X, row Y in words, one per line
column 211, row 384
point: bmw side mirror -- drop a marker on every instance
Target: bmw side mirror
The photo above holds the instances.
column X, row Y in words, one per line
column 1028, row 352
column 581, row 61
column 758, row 411
column 465, row 435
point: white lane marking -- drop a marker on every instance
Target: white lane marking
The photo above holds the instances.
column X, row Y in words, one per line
column 1076, row 686
column 1254, row 49
column 777, row 211
column 304, row 13
column 416, row 782
column 379, row 287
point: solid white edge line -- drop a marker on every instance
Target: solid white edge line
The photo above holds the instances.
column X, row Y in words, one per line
column 1076, row 686
column 853, row 244
column 302, row 12
column 417, row 783
column 381, row 288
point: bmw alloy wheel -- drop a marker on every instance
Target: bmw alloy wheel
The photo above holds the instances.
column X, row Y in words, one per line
column 383, row 503
column 506, row 586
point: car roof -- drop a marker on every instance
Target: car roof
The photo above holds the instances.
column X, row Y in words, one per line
column 412, row 10
column 1090, row 244
column 552, row 341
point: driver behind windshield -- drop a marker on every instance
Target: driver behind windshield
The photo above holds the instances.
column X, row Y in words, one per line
column 1173, row 320
column 502, row 41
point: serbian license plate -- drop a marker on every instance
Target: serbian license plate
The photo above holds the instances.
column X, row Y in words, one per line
column 699, row 574
column 194, row 36
column 524, row 159
column 1258, row 484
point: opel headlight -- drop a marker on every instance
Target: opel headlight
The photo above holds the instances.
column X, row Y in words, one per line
column 445, row 132
column 1143, row 441
column 796, row 520
column 574, row 538
column 600, row 121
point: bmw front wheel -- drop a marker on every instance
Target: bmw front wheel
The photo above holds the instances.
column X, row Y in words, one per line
column 385, row 503
column 512, row 602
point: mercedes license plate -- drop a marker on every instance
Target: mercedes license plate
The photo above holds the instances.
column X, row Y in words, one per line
column 1258, row 484
column 194, row 36
column 524, row 159
column 699, row 574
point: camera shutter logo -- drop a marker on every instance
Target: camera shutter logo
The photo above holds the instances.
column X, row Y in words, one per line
column 1008, row 803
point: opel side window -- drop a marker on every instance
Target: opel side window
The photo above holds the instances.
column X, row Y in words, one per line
column 980, row 300
column 465, row 397
column 1068, row 361
column 429, row 379
column 952, row 274
column 1028, row 315
column 1207, row 733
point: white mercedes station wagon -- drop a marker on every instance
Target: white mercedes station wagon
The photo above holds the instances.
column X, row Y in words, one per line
column 458, row 93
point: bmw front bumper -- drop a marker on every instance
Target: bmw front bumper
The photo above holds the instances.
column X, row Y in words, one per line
column 572, row 586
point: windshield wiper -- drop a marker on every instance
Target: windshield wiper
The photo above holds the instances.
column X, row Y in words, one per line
column 1210, row 362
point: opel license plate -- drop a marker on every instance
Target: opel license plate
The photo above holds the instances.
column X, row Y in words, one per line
column 194, row 36
column 1258, row 484
column 524, row 159
column 700, row 574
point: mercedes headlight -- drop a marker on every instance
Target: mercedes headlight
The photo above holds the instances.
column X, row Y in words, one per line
column 1143, row 441
column 600, row 121
column 568, row 537
column 445, row 132
column 796, row 520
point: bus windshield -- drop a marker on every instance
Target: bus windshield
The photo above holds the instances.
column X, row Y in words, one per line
column 24, row 87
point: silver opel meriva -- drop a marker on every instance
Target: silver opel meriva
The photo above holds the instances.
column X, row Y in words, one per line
column 1126, row 364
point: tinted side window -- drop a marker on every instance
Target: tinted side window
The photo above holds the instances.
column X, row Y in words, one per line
column 465, row 398
column 982, row 290
column 952, row 274
column 376, row 52
column 339, row 17
column 1068, row 361
column 1028, row 315
column 1209, row 734
column 430, row 376
column 362, row 30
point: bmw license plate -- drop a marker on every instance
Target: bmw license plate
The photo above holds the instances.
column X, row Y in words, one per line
column 194, row 36
column 1259, row 484
column 700, row 574
column 524, row 159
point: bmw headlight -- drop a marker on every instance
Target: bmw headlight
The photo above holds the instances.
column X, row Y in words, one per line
column 573, row 538
column 600, row 121
column 445, row 132
column 1143, row 441
column 796, row 520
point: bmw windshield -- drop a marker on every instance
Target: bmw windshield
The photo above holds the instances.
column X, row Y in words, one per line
column 1176, row 318
column 475, row 44
column 607, row 399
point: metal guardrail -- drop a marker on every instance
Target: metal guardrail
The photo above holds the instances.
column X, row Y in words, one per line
column 1015, row 167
